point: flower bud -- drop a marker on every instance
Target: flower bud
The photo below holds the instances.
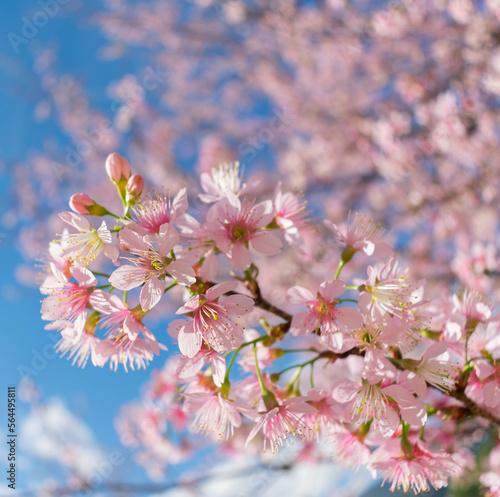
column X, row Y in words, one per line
column 117, row 168
column 134, row 188
column 81, row 203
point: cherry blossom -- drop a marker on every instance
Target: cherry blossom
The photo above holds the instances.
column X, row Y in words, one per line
column 213, row 321
column 83, row 247
column 152, row 213
column 281, row 422
column 323, row 313
column 417, row 470
column 237, row 225
column 151, row 265
column 67, row 299
column 362, row 234
column 226, row 180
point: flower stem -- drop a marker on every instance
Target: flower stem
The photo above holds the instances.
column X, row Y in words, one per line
column 259, row 376
column 311, row 361
column 104, row 275
column 341, row 265
column 230, row 365
column 288, row 351
column 348, row 300
column 311, row 378
column 170, row 287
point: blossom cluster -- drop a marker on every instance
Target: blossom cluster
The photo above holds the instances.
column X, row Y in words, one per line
column 362, row 368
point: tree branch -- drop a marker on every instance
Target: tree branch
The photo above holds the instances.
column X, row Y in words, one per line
column 472, row 407
column 260, row 301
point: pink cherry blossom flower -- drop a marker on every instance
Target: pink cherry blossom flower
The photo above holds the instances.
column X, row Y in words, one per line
column 349, row 449
column 474, row 308
column 213, row 320
column 151, row 266
column 386, row 290
column 325, row 421
column 367, row 401
column 55, row 256
column 151, row 214
column 388, row 331
column 237, row 225
column 198, row 246
column 83, row 247
column 439, row 373
column 117, row 317
column 290, row 216
column 215, row 415
column 119, row 349
column 484, row 384
column 362, row 234
column 67, row 299
column 278, row 423
column 123, row 326
column 324, row 313
column 485, row 340
column 78, row 341
column 371, row 398
column 190, row 366
column 226, row 180
column 415, row 471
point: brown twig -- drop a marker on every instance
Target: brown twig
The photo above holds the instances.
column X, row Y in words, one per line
column 472, row 407
column 260, row 301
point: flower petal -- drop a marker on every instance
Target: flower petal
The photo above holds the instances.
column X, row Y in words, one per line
column 75, row 220
column 217, row 290
column 344, row 391
column 182, row 272
column 240, row 257
column 84, row 277
column 348, row 317
column 151, row 293
column 266, row 243
column 169, row 238
column 128, row 277
column 299, row 295
column 331, row 289
column 189, row 341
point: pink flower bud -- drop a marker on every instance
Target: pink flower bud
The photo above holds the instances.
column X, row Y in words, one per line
column 117, row 167
column 134, row 188
column 80, row 203
column 135, row 184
